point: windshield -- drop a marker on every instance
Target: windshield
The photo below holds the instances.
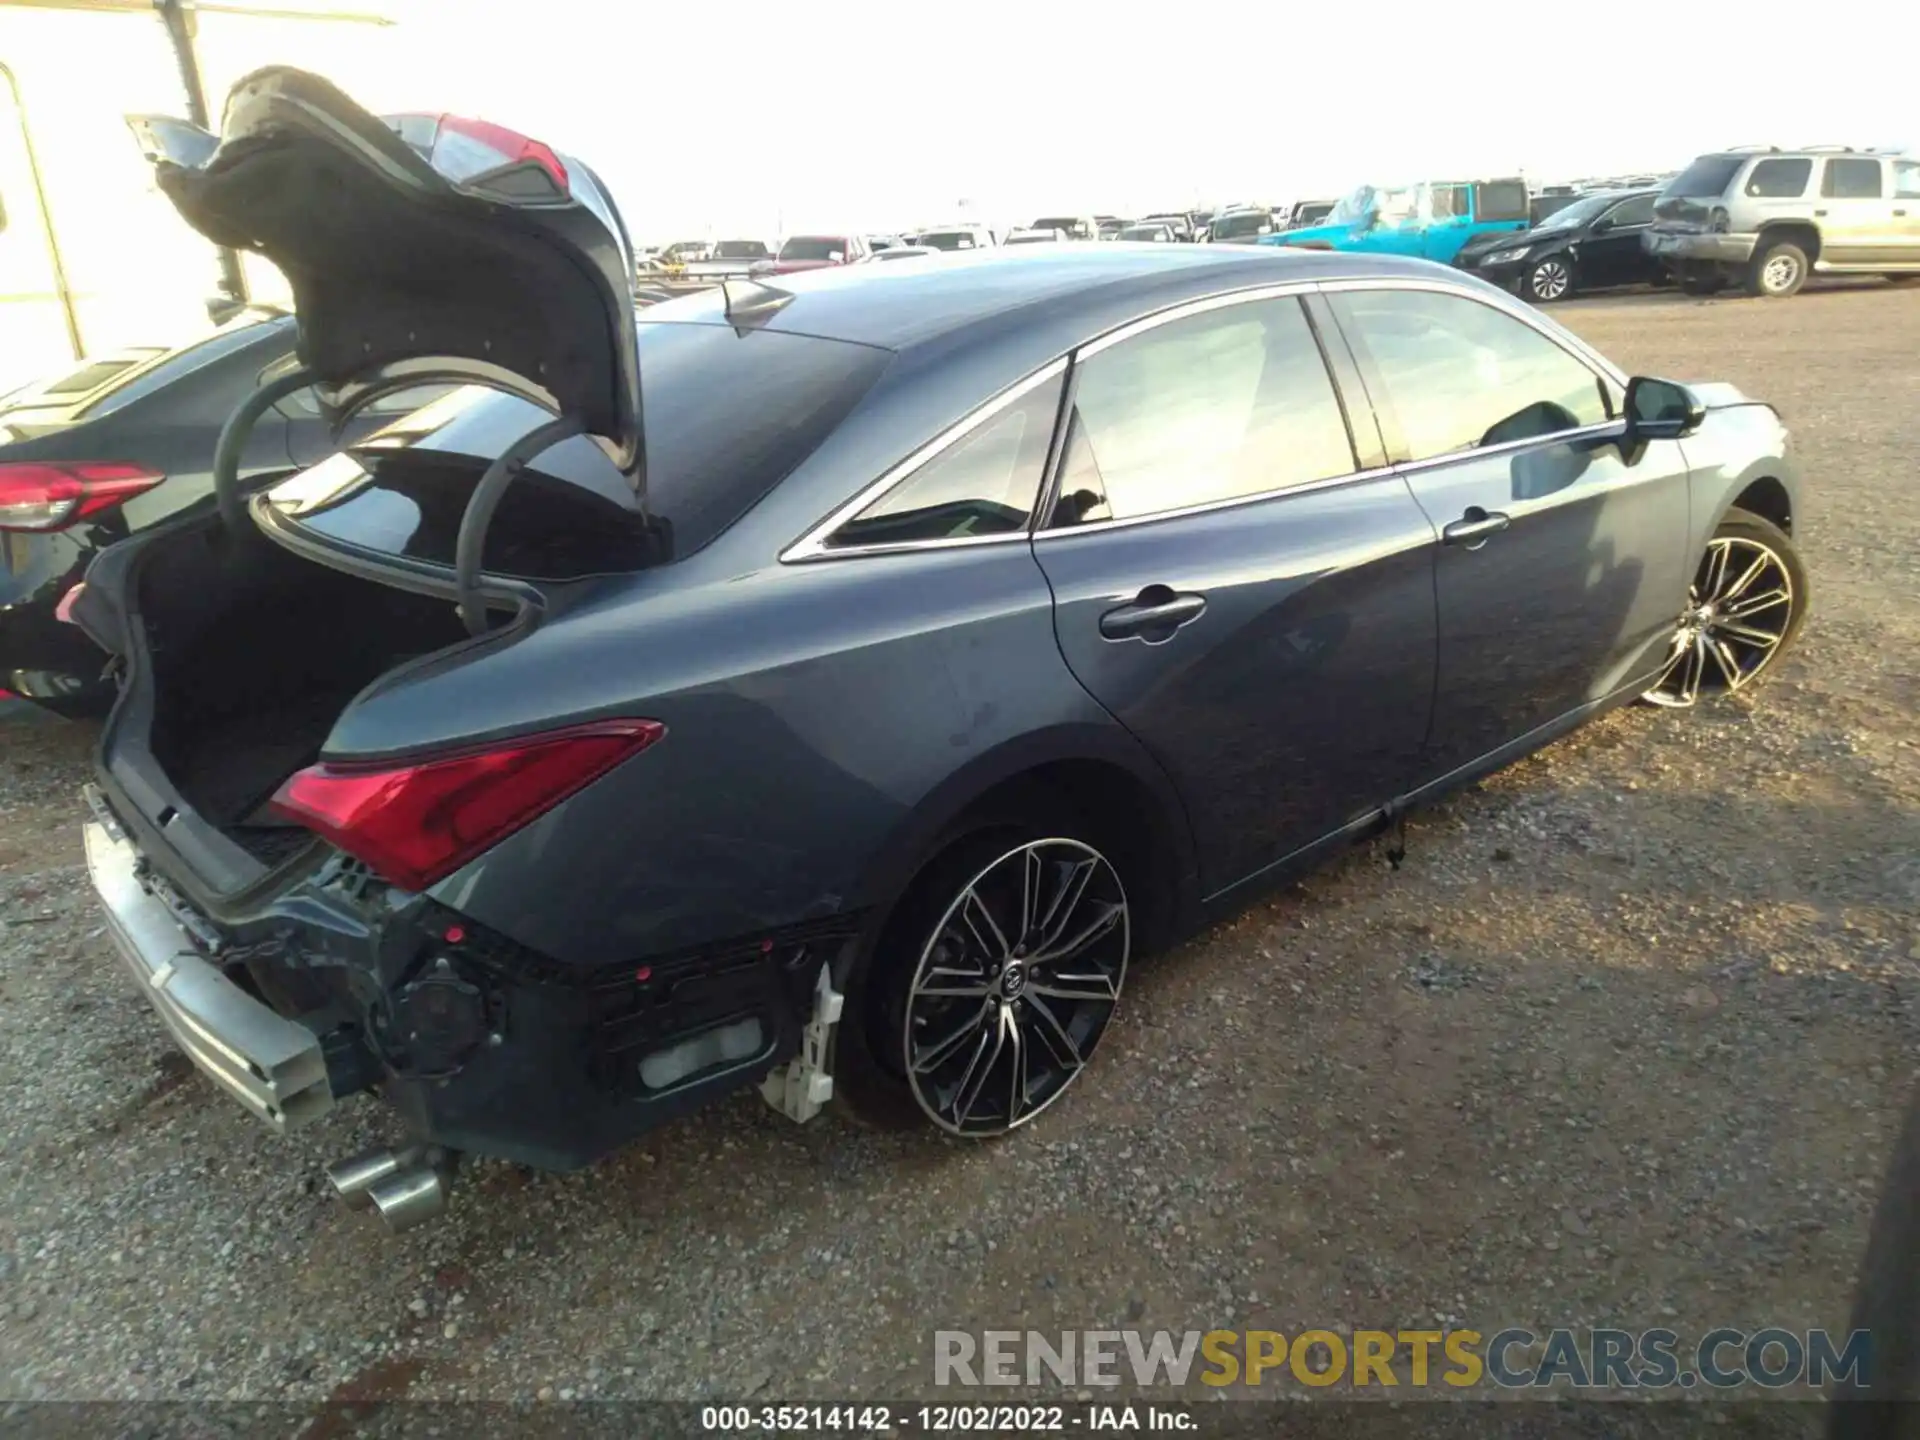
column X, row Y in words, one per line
column 1143, row 232
column 948, row 239
column 1352, row 209
column 1578, row 213
column 1061, row 222
column 815, row 247
column 1706, row 178
column 1046, row 239
column 739, row 250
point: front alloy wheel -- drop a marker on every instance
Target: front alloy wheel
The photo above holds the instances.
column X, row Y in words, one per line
column 1743, row 609
column 1015, row 986
column 1550, row 280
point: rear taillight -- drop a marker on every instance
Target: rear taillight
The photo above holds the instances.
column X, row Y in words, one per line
column 53, row 494
column 416, row 824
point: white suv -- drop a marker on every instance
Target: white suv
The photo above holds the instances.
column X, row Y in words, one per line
column 1769, row 218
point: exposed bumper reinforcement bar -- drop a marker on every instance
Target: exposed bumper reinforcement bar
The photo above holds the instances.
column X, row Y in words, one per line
column 271, row 1065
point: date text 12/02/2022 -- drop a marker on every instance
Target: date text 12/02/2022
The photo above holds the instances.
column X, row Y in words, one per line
column 945, row 1419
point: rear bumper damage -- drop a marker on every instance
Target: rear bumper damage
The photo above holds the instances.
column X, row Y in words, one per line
column 273, row 1066
column 477, row 1043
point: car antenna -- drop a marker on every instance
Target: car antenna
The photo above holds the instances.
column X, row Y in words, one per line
column 750, row 303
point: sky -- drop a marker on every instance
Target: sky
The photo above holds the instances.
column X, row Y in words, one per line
column 744, row 119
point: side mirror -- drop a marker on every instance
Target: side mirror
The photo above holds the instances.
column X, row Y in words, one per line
column 1661, row 410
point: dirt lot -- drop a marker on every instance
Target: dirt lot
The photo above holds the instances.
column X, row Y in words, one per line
column 1624, row 1042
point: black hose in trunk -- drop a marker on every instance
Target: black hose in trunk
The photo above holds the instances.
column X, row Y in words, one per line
column 485, row 499
column 233, row 440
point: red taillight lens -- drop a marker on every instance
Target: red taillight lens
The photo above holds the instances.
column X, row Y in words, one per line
column 416, row 824
column 53, row 494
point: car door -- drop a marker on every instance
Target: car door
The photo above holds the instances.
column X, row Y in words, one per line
column 1905, row 175
column 1563, row 562
column 1856, row 212
column 1610, row 253
column 1244, row 593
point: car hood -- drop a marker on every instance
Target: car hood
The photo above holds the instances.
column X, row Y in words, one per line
column 1489, row 241
column 460, row 252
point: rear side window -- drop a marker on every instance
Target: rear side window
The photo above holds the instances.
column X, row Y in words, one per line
column 1706, row 178
column 983, row 484
column 1460, row 375
column 1223, row 405
column 1637, row 211
column 1779, row 179
column 1852, row 180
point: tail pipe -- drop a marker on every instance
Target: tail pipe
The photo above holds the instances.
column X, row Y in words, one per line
column 404, row 1187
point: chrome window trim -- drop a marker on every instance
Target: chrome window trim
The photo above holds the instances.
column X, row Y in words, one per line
column 813, row 545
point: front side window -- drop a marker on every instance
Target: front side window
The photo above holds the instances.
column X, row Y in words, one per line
column 1222, row 405
column 1852, row 180
column 1779, row 179
column 1637, row 211
column 983, row 484
column 1460, row 375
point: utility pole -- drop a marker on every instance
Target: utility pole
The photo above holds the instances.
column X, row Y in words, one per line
column 181, row 25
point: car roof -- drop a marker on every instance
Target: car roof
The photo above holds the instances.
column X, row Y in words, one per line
column 1049, row 297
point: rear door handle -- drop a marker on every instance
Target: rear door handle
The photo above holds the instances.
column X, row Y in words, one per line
column 1473, row 528
column 1901, row 213
column 1153, row 615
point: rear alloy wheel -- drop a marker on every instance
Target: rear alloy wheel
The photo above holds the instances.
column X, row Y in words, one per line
column 1550, row 279
column 1744, row 608
column 1778, row 271
column 1014, row 986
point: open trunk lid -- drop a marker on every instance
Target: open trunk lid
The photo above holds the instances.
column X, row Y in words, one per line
column 420, row 249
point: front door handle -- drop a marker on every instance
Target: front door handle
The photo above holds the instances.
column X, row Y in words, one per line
column 1152, row 615
column 1473, row 528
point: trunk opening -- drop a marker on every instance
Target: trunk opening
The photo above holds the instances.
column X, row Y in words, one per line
column 253, row 656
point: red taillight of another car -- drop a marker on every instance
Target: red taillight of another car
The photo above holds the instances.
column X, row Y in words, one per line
column 416, row 824
column 42, row 495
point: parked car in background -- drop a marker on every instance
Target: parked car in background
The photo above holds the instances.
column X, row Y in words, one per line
column 1241, row 227
column 1175, row 220
column 1306, row 212
column 1032, row 235
column 678, row 802
column 1768, row 219
column 685, row 252
column 1110, row 226
column 956, row 237
column 741, row 250
column 1073, row 227
column 114, row 447
column 885, row 242
column 1157, row 231
column 815, row 252
column 1541, row 208
column 1431, row 219
column 1591, row 244
column 900, row 252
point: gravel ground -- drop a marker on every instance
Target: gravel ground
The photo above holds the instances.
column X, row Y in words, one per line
column 1623, row 1042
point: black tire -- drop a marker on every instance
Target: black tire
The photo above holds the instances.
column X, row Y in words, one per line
column 1702, row 284
column 1778, row 269
column 871, row 1079
column 1550, row 278
column 1886, row 1304
column 1746, row 535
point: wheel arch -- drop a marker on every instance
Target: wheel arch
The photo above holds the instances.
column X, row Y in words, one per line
column 1765, row 496
column 1102, row 771
column 1803, row 233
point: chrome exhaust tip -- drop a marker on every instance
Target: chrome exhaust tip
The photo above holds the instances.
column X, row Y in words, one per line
column 408, row 1197
column 353, row 1177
